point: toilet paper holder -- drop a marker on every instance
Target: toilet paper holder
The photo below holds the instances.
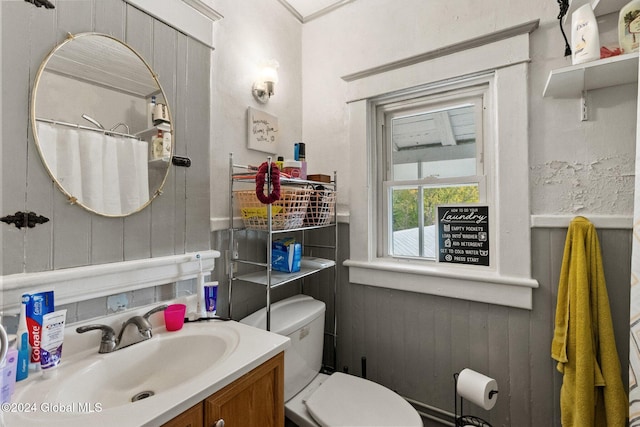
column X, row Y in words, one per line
column 467, row 420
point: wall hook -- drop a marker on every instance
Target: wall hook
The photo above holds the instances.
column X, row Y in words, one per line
column 24, row 219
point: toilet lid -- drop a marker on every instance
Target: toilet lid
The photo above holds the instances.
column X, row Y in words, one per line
column 347, row 400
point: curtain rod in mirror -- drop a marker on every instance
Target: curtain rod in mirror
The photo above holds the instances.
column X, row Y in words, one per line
column 74, row 125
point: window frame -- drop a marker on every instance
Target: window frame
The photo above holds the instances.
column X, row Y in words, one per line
column 425, row 101
column 503, row 58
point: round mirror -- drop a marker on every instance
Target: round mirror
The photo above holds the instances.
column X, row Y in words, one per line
column 102, row 124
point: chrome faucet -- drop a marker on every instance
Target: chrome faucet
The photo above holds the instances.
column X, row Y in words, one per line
column 142, row 323
column 110, row 343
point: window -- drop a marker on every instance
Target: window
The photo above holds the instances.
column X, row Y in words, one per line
column 432, row 149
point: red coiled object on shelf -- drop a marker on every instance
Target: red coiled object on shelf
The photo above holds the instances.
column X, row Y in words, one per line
column 275, row 182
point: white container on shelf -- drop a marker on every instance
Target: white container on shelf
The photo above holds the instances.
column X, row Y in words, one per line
column 629, row 27
column 585, row 39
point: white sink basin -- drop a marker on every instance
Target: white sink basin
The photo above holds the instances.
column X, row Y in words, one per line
column 144, row 369
column 147, row 383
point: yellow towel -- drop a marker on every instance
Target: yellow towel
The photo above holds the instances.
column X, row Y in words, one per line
column 583, row 343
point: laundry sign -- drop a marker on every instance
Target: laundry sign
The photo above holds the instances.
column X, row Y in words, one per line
column 463, row 234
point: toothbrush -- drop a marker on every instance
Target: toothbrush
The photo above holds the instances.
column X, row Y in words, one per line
column 200, row 307
column 22, row 342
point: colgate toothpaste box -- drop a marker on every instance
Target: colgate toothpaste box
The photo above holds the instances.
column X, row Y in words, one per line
column 38, row 305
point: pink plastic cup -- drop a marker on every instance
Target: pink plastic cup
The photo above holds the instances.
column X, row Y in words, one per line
column 174, row 317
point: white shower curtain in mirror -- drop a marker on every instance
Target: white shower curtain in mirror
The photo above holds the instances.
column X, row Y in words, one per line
column 108, row 174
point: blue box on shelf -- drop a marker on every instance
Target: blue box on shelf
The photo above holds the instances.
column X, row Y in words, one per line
column 286, row 255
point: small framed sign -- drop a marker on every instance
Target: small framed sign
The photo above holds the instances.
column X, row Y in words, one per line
column 262, row 131
column 463, row 234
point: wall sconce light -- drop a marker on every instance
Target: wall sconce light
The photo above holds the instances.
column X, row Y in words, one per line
column 263, row 87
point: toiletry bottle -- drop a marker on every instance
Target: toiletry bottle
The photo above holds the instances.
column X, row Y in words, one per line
column 280, row 163
column 629, row 27
column 166, row 146
column 211, row 298
column 157, row 145
column 303, row 160
column 160, row 114
column 585, row 39
column 150, row 109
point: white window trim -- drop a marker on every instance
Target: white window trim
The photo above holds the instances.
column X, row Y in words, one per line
column 508, row 282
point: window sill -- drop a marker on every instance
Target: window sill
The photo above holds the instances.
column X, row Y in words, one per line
column 451, row 281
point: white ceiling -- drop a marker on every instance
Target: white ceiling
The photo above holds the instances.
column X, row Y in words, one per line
column 306, row 10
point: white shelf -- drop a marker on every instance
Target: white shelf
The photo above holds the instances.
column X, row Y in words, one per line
column 144, row 134
column 570, row 82
column 159, row 163
column 243, row 177
column 600, row 8
column 290, row 230
column 280, row 278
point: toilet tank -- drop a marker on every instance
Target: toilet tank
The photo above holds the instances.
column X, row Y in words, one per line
column 301, row 318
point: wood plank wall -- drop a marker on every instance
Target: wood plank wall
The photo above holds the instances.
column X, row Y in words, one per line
column 414, row 343
column 178, row 220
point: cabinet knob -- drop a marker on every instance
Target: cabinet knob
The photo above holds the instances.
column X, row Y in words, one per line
column 219, row 423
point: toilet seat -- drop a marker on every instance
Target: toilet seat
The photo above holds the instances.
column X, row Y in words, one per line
column 347, row 400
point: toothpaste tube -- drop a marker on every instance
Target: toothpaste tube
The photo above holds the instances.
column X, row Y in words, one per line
column 38, row 305
column 210, row 297
column 52, row 338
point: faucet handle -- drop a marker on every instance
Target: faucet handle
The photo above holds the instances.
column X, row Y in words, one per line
column 108, row 341
column 155, row 310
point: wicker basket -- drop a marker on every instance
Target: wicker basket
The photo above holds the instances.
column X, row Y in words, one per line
column 322, row 204
column 287, row 213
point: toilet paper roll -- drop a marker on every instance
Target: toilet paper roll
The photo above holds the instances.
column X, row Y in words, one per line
column 477, row 388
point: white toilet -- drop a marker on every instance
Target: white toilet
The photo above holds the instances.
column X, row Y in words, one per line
column 313, row 399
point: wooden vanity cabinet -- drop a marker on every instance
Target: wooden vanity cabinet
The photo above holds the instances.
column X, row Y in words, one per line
column 254, row 400
column 193, row 417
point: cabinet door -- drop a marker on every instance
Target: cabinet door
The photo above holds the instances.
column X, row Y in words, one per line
column 254, row 400
column 193, row 417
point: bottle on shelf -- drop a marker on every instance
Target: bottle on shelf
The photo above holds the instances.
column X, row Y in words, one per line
column 166, row 145
column 150, row 110
column 585, row 38
column 156, row 145
column 629, row 27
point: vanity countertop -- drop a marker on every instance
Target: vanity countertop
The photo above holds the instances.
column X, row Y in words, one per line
column 82, row 392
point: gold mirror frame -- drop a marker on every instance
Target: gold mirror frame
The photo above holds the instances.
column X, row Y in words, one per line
column 125, row 81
